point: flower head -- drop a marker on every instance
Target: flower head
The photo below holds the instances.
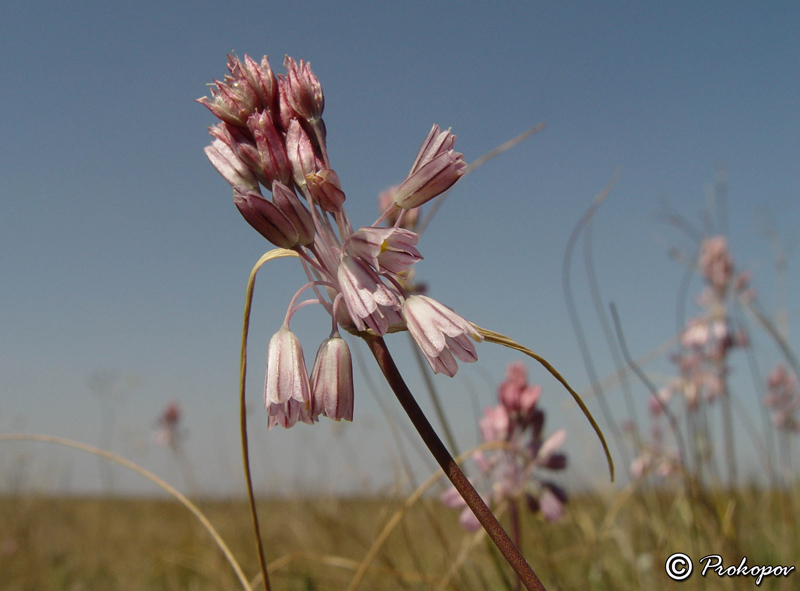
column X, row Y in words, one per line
column 515, row 471
column 272, row 140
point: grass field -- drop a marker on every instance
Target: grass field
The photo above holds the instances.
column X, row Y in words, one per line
column 617, row 541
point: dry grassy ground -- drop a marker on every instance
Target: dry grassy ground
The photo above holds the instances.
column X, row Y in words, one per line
column 618, row 541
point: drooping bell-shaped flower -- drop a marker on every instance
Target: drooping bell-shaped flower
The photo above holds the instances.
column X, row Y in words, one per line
column 332, row 380
column 287, row 378
column 440, row 333
column 368, row 299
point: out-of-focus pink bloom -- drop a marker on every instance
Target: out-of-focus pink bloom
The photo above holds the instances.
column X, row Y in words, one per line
column 453, row 499
column 495, row 423
column 169, row 425
column 716, row 263
column 551, row 504
column 440, row 333
column 783, row 398
column 548, row 454
column 513, row 472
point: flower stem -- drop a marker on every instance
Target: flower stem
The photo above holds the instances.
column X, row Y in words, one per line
column 484, row 515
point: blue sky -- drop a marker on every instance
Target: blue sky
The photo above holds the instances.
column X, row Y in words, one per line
column 125, row 256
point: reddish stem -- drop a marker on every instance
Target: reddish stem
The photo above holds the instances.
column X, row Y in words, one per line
column 486, row 518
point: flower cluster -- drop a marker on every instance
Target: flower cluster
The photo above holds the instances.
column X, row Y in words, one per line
column 513, row 470
column 783, row 399
column 708, row 339
column 272, row 139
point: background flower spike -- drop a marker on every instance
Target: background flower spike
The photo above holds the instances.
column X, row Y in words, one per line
column 495, row 337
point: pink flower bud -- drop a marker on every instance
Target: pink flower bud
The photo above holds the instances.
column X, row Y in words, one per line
column 436, row 168
column 265, row 217
column 332, row 380
column 262, row 80
column 431, row 180
column 232, row 101
column 303, row 90
column 716, row 263
column 297, row 213
column 229, row 165
column 301, row 153
column 272, row 155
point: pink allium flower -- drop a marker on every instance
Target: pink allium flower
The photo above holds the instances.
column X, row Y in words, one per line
column 387, row 249
column 436, row 168
column 272, row 138
column 513, row 473
column 229, row 165
column 495, row 423
column 304, row 90
column 783, row 398
column 716, row 263
column 367, row 298
column 440, row 333
column 169, row 426
column 286, row 370
column 266, row 217
column 332, row 380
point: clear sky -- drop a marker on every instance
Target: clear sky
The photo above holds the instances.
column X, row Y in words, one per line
column 123, row 255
